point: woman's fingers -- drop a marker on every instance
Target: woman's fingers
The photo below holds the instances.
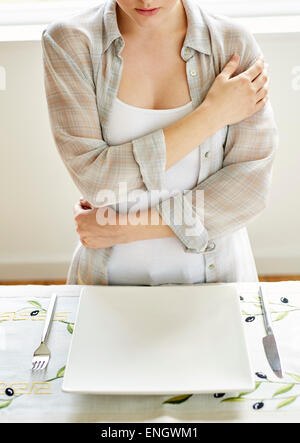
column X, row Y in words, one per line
column 255, row 69
column 231, row 66
column 84, row 203
column 261, row 104
column 261, row 79
column 261, row 93
column 85, row 206
column 77, row 209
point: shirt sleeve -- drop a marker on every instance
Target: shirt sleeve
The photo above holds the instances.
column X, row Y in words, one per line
column 94, row 166
column 238, row 192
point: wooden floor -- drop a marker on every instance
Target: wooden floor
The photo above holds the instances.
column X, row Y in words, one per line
column 266, row 278
column 279, row 277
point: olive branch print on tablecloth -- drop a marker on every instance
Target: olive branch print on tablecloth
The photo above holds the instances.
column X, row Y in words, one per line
column 283, row 389
column 286, row 387
column 284, row 302
column 70, row 325
column 10, row 392
column 258, row 402
column 35, row 313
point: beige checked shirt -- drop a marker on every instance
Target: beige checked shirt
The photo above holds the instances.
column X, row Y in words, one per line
column 82, row 71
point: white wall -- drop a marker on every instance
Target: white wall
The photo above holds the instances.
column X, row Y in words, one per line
column 37, row 230
column 275, row 235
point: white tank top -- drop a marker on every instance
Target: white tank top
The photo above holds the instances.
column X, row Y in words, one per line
column 162, row 260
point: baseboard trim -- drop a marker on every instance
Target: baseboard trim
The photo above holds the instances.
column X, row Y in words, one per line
column 262, row 278
column 34, row 271
column 278, row 265
column 57, row 270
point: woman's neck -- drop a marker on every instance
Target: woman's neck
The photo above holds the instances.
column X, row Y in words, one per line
column 175, row 25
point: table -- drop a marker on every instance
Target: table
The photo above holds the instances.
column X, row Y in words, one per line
column 37, row 397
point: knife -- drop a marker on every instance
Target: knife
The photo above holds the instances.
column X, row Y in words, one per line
column 269, row 341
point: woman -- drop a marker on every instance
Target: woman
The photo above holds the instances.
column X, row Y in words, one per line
column 157, row 101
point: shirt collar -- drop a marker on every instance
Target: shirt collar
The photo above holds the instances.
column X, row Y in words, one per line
column 197, row 36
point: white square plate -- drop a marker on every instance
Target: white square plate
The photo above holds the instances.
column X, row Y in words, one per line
column 173, row 339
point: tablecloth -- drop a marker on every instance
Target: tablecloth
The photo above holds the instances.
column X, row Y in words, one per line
column 37, row 397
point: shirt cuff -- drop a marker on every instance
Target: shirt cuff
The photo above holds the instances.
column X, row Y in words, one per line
column 150, row 153
column 180, row 215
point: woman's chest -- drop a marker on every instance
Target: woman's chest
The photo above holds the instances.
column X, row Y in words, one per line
column 155, row 80
column 167, row 83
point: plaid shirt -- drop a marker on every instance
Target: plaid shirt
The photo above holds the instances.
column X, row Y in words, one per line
column 82, row 71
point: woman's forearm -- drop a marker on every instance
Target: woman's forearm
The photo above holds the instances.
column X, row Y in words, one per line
column 150, row 226
column 184, row 135
column 228, row 101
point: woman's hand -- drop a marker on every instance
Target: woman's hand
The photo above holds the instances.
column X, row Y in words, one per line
column 237, row 98
column 94, row 235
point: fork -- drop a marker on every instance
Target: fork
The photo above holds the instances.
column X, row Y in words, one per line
column 42, row 354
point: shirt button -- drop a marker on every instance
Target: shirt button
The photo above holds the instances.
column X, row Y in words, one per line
column 211, row 266
column 210, row 246
column 193, row 73
column 207, row 154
